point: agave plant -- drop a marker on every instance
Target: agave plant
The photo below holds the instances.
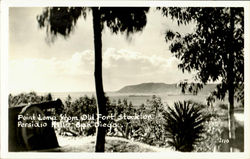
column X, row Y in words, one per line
column 184, row 125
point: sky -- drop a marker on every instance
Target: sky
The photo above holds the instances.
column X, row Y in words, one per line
column 67, row 65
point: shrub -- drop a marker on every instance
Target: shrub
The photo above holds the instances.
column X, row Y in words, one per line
column 184, row 125
column 77, row 108
column 149, row 131
column 83, row 106
column 211, row 136
column 155, row 132
column 80, row 106
column 25, row 98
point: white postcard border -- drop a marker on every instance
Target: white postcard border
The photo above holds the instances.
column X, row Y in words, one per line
column 42, row 3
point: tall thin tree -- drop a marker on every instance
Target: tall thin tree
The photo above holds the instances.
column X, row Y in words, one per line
column 62, row 20
column 215, row 50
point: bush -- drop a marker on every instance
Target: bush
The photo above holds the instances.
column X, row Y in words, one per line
column 80, row 106
column 83, row 106
column 149, row 131
column 154, row 125
column 25, row 98
column 213, row 126
column 77, row 108
column 211, row 136
column 184, row 126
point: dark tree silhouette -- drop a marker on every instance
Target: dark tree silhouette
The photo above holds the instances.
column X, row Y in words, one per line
column 26, row 98
column 214, row 50
column 62, row 20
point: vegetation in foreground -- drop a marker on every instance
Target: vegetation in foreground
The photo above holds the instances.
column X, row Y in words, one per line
column 180, row 127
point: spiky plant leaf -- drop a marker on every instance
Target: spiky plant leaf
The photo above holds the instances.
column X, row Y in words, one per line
column 184, row 125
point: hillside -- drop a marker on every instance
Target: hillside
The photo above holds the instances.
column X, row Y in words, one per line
column 161, row 88
column 149, row 88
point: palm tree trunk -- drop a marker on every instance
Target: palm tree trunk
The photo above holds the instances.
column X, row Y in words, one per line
column 101, row 101
column 231, row 120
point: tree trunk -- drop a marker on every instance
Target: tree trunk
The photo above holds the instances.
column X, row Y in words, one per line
column 231, row 119
column 101, row 100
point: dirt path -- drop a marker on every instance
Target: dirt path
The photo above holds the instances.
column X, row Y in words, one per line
column 113, row 144
column 239, row 117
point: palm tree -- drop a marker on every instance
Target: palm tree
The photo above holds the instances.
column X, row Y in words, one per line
column 62, row 20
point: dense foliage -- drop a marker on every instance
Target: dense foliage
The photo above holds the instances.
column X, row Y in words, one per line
column 25, row 98
column 184, row 121
column 152, row 130
column 214, row 49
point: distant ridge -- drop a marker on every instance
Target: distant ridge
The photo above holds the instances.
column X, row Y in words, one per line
column 161, row 88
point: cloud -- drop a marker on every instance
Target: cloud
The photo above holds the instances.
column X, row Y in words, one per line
column 123, row 67
column 52, row 75
column 120, row 67
column 135, row 63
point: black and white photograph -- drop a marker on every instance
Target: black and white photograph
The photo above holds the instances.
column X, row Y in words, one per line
column 125, row 79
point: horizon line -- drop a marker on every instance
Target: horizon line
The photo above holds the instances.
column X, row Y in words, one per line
column 91, row 91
